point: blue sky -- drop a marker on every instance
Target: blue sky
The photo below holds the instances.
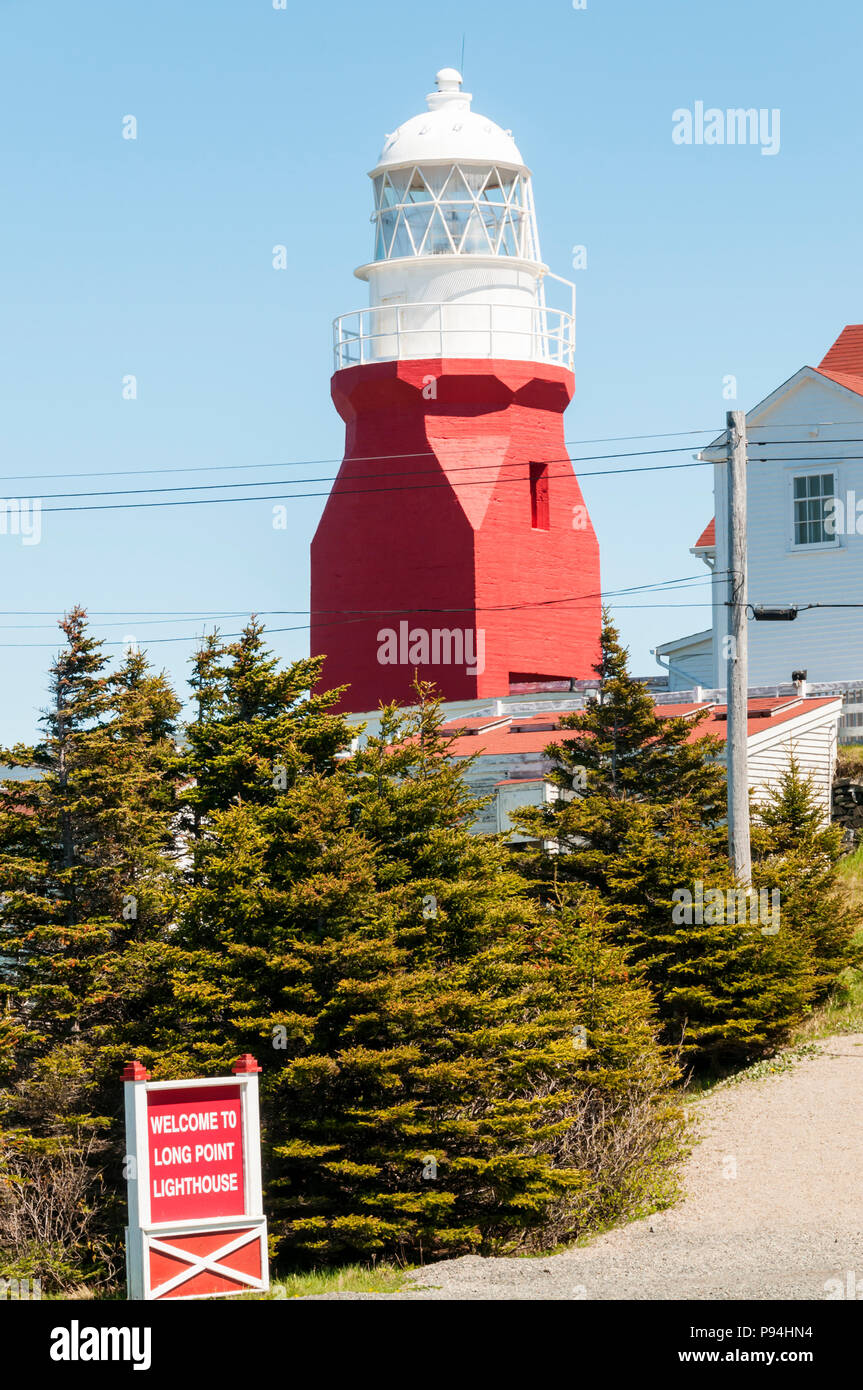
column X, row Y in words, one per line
column 256, row 127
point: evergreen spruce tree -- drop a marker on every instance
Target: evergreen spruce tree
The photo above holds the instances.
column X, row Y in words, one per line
column 85, row 879
column 627, row 1127
column 83, row 844
column 641, row 820
column 727, row 990
column 44, row 824
column 621, row 753
column 421, row 1088
column 799, row 853
column 452, row 1086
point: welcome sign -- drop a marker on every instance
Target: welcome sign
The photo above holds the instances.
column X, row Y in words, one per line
column 196, row 1153
column 196, row 1225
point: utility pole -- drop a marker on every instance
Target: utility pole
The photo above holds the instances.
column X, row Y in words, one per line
column 737, row 657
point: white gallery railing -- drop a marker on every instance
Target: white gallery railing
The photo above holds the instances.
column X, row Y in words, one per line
column 393, row 332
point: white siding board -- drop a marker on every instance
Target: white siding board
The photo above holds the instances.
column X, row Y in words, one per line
column 813, row 740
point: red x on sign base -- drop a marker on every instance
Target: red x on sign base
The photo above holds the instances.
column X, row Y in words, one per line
column 200, row 1263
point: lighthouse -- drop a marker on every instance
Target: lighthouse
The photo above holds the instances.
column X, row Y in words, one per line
column 455, row 544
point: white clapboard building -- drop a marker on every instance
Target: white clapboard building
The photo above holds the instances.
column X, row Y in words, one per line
column 805, row 537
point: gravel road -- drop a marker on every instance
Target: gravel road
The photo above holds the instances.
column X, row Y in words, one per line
column 772, row 1206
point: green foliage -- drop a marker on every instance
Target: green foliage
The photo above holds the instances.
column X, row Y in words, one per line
column 448, row 1063
column 412, row 1011
column 85, row 847
column 621, row 754
column 460, row 1044
column 727, row 989
column 59, row 1213
column 801, row 855
column 380, row 1277
column 640, row 820
column 86, row 884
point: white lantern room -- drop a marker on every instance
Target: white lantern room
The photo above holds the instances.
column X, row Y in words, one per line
column 456, row 269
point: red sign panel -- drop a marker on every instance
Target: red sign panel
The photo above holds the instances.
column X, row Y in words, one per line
column 195, row 1143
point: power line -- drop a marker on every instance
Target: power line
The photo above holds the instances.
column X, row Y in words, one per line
column 405, row 473
column 773, row 443
column 795, row 458
column 359, row 458
column 804, row 607
column 423, row 453
column 353, row 492
column 463, row 468
column 360, row 616
column 145, row 643
column 143, row 612
column 350, row 492
column 687, row 581
column 207, row 615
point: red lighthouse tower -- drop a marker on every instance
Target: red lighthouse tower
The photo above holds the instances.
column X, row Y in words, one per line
column 455, row 543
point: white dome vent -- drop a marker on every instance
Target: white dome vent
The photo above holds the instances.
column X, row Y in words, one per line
column 449, row 131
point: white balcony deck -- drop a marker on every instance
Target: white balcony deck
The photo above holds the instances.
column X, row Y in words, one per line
column 395, row 332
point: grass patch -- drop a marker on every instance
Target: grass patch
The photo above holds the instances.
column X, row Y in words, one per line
column 851, row 874
column 842, row 1014
column 849, row 760
column 784, row 1060
column 379, row 1278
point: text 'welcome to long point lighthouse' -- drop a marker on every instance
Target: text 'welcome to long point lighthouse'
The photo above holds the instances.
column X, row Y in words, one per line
column 455, row 543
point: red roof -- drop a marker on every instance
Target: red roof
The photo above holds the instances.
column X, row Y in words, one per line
column 503, row 740
column 843, row 362
column 708, row 535
column 764, row 713
column 473, row 723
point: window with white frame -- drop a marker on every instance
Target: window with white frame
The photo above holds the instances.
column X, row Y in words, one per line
column 812, row 492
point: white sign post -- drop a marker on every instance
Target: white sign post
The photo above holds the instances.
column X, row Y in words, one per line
column 193, row 1171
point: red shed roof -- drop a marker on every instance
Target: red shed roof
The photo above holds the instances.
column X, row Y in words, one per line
column 764, row 713
column 473, row 723
column 707, row 537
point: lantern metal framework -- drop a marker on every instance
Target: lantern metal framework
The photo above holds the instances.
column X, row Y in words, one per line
column 454, row 210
